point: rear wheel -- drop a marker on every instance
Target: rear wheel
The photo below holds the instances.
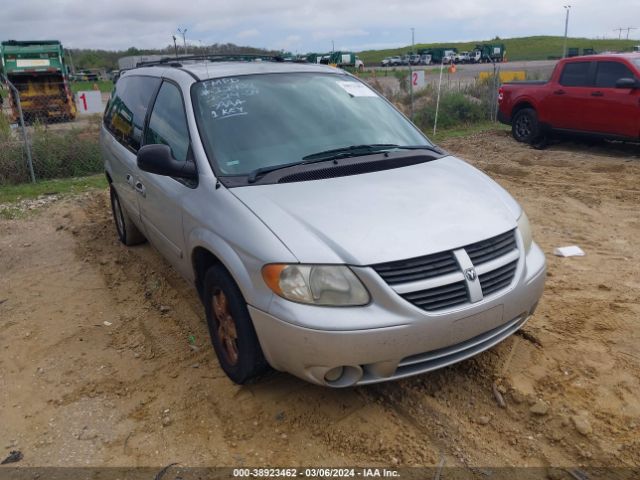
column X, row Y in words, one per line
column 232, row 334
column 128, row 233
column 525, row 127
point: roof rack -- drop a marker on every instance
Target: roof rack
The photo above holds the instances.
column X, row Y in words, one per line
column 236, row 57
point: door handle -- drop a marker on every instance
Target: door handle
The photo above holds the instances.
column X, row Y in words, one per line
column 597, row 94
column 140, row 188
column 559, row 92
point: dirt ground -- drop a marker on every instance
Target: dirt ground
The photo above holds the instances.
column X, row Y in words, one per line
column 105, row 357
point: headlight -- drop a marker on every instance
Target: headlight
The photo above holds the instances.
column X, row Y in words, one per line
column 525, row 231
column 329, row 285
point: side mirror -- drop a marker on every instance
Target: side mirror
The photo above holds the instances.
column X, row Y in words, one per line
column 627, row 83
column 157, row 159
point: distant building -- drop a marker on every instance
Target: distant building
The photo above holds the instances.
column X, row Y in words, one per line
column 125, row 63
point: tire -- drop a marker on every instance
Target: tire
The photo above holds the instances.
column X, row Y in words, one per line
column 128, row 233
column 232, row 334
column 525, row 127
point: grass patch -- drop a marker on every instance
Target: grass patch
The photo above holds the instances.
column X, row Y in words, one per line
column 55, row 153
column 105, row 86
column 456, row 109
column 25, row 191
column 467, row 130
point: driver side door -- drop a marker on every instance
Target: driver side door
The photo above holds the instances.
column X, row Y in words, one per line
column 161, row 197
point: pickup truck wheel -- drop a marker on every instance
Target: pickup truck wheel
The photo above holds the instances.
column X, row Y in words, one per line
column 128, row 233
column 525, row 127
column 230, row 327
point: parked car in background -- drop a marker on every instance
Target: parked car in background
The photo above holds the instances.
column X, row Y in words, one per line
column 425, row 59
column 449, row 57
column 362, row 253
column 475, row 56
column 385, row 62
column 462, row 57
column 395, row 61
column 595, row 95
column 414, row 59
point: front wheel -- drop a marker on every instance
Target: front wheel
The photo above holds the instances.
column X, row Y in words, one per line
column 232, row 334
column 525, row 127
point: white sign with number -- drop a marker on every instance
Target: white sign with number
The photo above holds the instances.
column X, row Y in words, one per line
column 89, row 101
column 417, row 79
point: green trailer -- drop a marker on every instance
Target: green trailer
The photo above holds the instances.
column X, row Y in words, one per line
column 439, row 54
column 338, row 59
column 38, row 70
column 488, row 53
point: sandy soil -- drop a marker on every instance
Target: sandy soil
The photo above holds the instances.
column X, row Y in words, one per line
column 105, row 357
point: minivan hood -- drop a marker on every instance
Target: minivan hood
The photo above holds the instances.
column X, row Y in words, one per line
column 384, row 216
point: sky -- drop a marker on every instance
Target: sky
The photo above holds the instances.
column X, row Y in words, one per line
column 303, row 26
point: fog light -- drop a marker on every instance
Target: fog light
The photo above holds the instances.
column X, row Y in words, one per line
column 334, row 374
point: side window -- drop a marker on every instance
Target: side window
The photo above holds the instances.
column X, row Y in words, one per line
column 128, row 109
column 575, row 74
column 168, row 122
column 608, row 73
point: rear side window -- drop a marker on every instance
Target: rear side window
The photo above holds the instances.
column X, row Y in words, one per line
column 608, row 73
column 168, row 122
column 128, row 109
column 575, row 74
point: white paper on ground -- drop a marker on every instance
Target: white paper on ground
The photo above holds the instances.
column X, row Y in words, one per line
column 570, row 251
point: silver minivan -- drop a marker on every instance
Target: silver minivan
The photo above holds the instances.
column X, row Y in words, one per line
column 325, row 234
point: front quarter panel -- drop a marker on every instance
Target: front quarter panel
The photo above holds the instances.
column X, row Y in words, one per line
column 216, row 220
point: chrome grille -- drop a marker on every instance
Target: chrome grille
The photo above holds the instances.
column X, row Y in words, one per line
column 439, row 298
column 420, row 268
column 417, row 279
column 487, row 250
column 497, row 279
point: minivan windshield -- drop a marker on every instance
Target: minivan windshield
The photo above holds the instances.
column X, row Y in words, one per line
column 260, row 121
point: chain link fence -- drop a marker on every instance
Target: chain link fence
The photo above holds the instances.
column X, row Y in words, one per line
column 43, row 135
column 464, row 101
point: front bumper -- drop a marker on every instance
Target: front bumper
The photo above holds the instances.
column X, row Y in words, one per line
column 391, row 338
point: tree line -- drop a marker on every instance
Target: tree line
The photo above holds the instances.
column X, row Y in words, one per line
column 83, row 59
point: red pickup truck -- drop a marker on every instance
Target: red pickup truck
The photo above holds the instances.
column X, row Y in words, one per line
column 595, row 94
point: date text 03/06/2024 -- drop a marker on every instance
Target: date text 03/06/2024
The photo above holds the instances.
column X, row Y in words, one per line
column 315, row 472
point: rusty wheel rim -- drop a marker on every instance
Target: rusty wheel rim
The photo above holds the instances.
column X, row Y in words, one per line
column 225, row 327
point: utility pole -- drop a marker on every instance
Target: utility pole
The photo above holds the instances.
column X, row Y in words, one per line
column 622, row 29
column 183, row 32
column 175, row 46
column 566, row 30
column 333, row 46
column 411, row 69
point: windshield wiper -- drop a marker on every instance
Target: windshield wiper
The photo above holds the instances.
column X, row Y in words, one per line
column 254, row 174
column 335, row 153
column 357, row 150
